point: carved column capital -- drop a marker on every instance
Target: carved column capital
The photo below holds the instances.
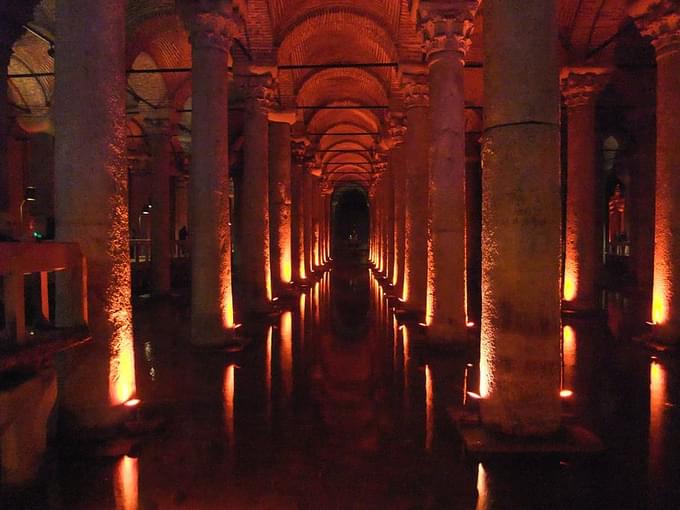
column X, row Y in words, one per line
column 660, row 20
column 299, row 150
column 580, row 86
column 446, row 26
column 259, row 93
column 416, row 91
column 212, row 23
column 396, row 128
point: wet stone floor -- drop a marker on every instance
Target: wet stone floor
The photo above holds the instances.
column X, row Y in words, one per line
column 335, row 406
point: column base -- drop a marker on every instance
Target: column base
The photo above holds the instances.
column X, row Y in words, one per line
column 483, row 443
column 446, row 337
column 575, row 310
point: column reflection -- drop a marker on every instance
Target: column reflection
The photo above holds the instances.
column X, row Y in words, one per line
column 126, row 484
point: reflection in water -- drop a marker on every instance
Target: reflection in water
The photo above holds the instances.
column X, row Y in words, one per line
column 657, row 408
column 268, row 370
column 125, row 484
column 405, row 358
column 429, row 408
column 286, row 353
column 228, row 394
column 483, row 501
column 568, row 360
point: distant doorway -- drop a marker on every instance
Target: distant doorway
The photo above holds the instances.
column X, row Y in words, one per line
column 350, row 223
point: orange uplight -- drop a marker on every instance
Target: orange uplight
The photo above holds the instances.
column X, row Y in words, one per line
column 285, row 264
column 227, row 305
column 286, row 331
column 568, row 360
column 133, row 402
column 566, row 393
column 228, row 394
column 126, row 484
column 429, row 408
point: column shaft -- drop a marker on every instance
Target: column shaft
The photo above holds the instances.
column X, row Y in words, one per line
column 520, row 343
column 280, row 205
column 415, row 223
column 446, row 305
column 91, row 203
column 161, row 231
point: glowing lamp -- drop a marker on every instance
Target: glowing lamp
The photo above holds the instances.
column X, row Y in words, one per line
column 566, row 393
column 470, row 324
column 133, row 402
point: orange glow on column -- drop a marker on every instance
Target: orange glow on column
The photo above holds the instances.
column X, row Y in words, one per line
column 227, row 303
column 570, row 282
column 268, row 367
column 429, row 408
column 287, row 352
column 122, row 384
column 126, row 484
column 486, row 360
column 659, row 301
column 228, row 394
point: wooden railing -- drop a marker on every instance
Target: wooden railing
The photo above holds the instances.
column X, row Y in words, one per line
column 140, row 250
column 19, row 259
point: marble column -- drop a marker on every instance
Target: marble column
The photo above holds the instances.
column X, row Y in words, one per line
column 520, row 330
column 416, row 102
column 211, row 35
column 257, row 291
column 91, row 206
column 661, row 22
column 308, row 217
column 397, row 130
column 298, row 223
column 161, row 230
column 583, row 250
column 280, row 205
column 446, row 33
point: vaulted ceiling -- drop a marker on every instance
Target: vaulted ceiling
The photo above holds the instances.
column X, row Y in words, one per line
column 293, row 33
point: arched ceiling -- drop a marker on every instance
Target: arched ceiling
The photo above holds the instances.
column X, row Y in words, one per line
column 304, row 32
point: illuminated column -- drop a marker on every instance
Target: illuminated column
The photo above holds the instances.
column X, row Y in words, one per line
column 583, row 251
column 91, row 204
column 298, row 224
column 280, row 205
column 661, row 21
column 255, row 259
column 520, row 332
column 388, row 220
column 416, row 101
column 397, row 132
column 212, row 309
column 308, row 216
column 447, row 38
column 161, row 161
column 327, row 192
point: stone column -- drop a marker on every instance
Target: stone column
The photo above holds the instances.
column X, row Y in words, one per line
column 298, row 223
column 397, row 167
column 446, row 40
column 211, row 35
column 661, row 21
column 520, row 331
column 308, row 217
column 583, row 250
column 161, row 231
column 280, row 205
column 91, row 205
column 255, row 195
column 416, row 101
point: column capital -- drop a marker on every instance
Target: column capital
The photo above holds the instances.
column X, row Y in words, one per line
column 581, row 85
column 396, row 128
column 212, row 23
column 416, row 91
column 446, row 26
column 259, row 93
column 157, row 126
column 660, row 20
column 299, row 149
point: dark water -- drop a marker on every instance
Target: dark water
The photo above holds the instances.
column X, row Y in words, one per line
column 334, row 406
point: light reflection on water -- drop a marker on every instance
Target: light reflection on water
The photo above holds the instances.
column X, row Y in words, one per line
column 126, row 484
